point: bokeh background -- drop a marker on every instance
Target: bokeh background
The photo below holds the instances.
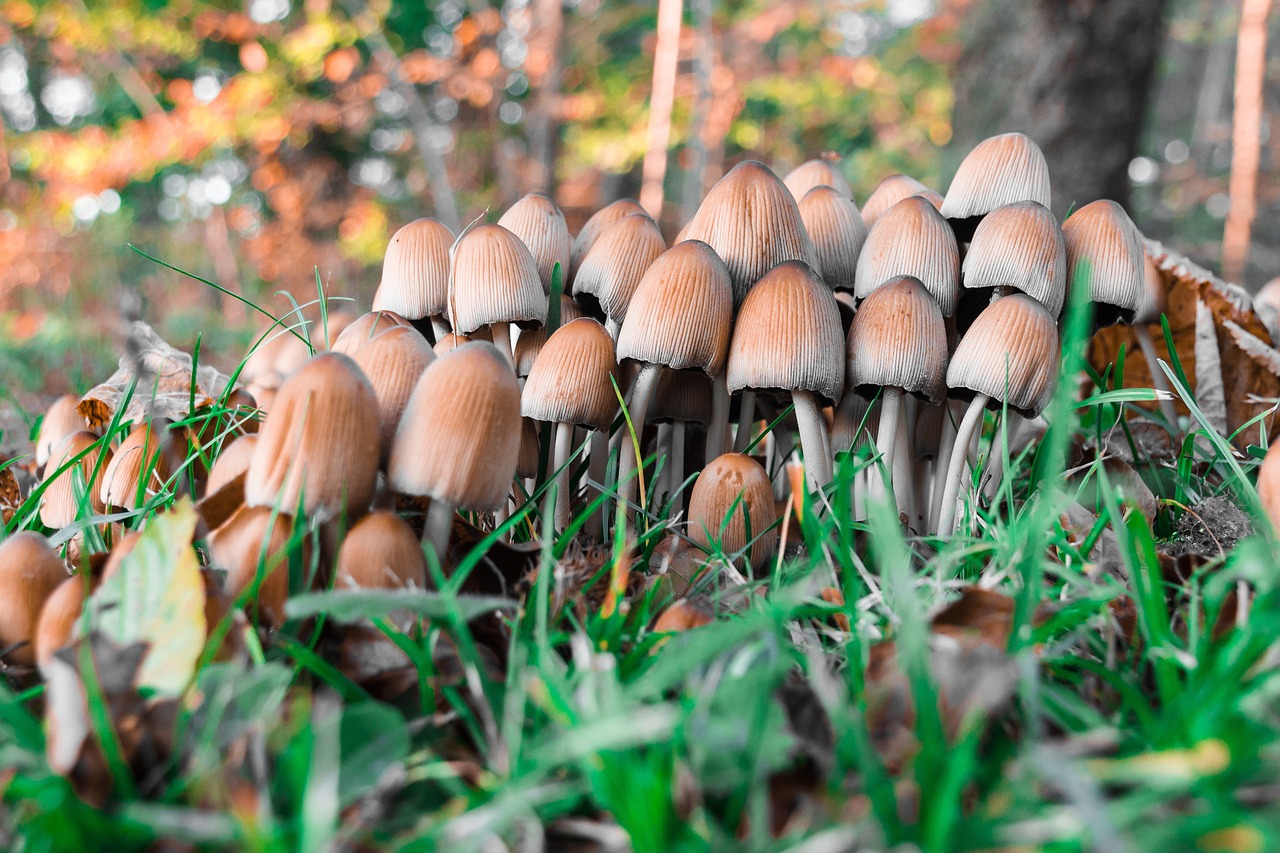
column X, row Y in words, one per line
column 268, row 143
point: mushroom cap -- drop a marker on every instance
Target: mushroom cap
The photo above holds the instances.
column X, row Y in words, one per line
column 380, row 552
column 837, row 231
column 788, row 335
column 276, row 356
column 1010, row 353
column 682, row 395
column 319, row 443
column 392, row 362
column 611, row 271
column 146, row 451
column 495, row 280
column 594, row 227
column 572, row 380
column 734, row 483
column 899, row 340
column 449, row 341
column 999, row 170
column 537, row 221
column 817, row 173
column 459, row 437
column 752, row 221
column 682, row 311
column 912, row 238
column 530, row 344
column 58, row 617
column 257, row 535
column 62, row 419
column 30, row 571
column 1155, row 299
column 59, row 505
column 1020, row 245
column 1269, row 484
column 1103, row 236
column 889, row 192
column 231, row 462
column 415, row 271
column 364, row 329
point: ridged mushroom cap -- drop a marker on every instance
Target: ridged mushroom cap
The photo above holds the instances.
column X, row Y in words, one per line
column 1010, row 353
column 253, row 536
column 30, row 571
column 816, row 173
column 537, row 221
column 912, row 238
column 531, row 343
column 380, row 552
column 788, row 335
column 899, row 340
column 1020, row 246
column 450, row 342
column 682, row 395
column 495, row 280
column 1000, row 170
column 838, row 232
column 231, row 462
column 1269, row 484
column 58, row 617
column 611, row 271
column 1102, row 235
column 682, row 312
column 1155, row 299
column 319, row 441
column 734, row 483
column 393, row 362
column 459, row 437
column 277, row 356
column 62, row 419
column 59, row 504
column 415, row 271
column 571, row 381
column 889, row 192
column 145, row 451
column 594, row 227
column 751, row 220
column 364, row 329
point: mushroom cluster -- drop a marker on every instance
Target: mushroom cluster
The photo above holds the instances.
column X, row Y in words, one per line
column 626, row 375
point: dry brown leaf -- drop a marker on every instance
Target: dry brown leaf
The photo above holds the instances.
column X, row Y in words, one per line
column 1210, row 395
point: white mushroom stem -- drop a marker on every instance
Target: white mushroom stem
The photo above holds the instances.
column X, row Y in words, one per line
column 817, row 461
column 613, row 327
column 662, row 482
column 746, row 420
column 946, row 438
column 439, row 528
column 903, row 474
column 1158, row 380
column 676, row 460
column 887, row 439
column 439, row 327
column 560, row 464
column 718, row 427
column 597, row 471
column 641, row 395
column 968, row 428
column 502, row 340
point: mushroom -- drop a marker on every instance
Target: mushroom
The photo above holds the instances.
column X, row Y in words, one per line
column 62, row 419
column 60, row 503
column 537, row 221
column 415, row 273
column 273, row 358
column 1103, row 242
column 392, row 362
column 1019, row 247
column 1010, row 356
column 682, row 397
column 999, row 170
column 912, row 239
column 256, row 545
column 495, row 283
column 892, row 190
column 1269, row 484
column 838, row 233
column 530, row 344
column 142, row 465
column 57, row 622
column 594, row 228
column 451, row 342
column 788, row 337
column 364, row 329
column 572, row 384
column 380, row 552
column 732, row 506
column 610, row 273
column 822, row 172
column 29, row 573
column 459, row 437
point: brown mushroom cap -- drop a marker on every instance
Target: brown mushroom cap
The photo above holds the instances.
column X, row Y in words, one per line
column 1000, row 170
column 1020, row 246
column 572, row 380
column 837, row 231
column 450, row 341
column 595, row 226
column 890, row 191
column 62, row 419
column 537, row 221
column 899, row 340
column 611, row 271
column 255, row 535
column 415, row 271
column 495, row 280
column 364, row 329
column 912, row 238
column 682, row 395
column 393, row 362
column 281, row 352
column 146, row 450
column 1269, row 484
column 29, row 573
column 1102, row 235
column 380, row 552
column 1010, row 354
column 530, row 343
column 320, row 441
column 682, row 312
column 459, row 437
column 751, row 220
column 59, row 505
column 58, row 617
column 816, row 173
column 734, row 483
column 788, row 335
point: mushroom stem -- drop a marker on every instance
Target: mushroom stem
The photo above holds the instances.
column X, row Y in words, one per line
column 746, row 420
column 955, row 469
column 662, row 481
column 560, row 464
column 903, row 473
column 502, row 340
column 718, row 427
column 641, row 394
column 613, row 327
column 946, row 437
column 1158, row 380
column 677, row 466
column 597, row 471
column 439, row 528
column 887, row 440
column 817, row 462
column 439, row 327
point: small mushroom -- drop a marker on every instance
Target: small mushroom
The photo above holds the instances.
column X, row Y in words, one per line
column 57, row 622
column 256, row 545
column 62, row 419
column 1102, row 240
column 823, row 172
column 912, row 239
column 29, row 573
column 143, row 464
column 233, row 461
column 364, row 329
column 530, row 344
column 537, row 221
column 380, row 552
column 495, row 284
column 838, row 233
column 1019, row 247
column 611, row 271
column 415, row 273
column 392, row 362
column 60, row 504
column 594, row 228
column 1000, row 170
column 892, row 190
column 732, row 505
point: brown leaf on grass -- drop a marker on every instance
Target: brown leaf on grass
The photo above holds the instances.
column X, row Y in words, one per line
column 10, row 494
column 1077, row 522
column 980, row 614
column 1211, row 396
column 164, row 388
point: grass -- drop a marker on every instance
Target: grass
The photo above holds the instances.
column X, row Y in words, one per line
column 1105, row 699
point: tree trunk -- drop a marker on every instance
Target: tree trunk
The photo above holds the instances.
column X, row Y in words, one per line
column 544, row 107
column 1074, row 75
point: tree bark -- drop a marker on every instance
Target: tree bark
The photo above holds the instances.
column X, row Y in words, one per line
column 1074, row 75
